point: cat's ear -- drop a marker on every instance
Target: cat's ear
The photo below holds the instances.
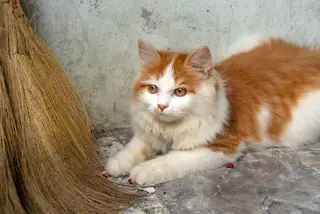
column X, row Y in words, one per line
column 148, row 54
column 200, row 60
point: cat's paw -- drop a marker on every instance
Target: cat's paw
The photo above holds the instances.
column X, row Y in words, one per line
column 120, row 164
column 184, row 145
column 149, row 173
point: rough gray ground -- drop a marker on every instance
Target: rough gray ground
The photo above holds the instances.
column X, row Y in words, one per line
column 277, row 180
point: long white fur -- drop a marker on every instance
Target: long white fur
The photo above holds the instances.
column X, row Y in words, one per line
column 243, row 44
column 303, row 128
column 305, row 124
column 189, row 123
column 186, row 124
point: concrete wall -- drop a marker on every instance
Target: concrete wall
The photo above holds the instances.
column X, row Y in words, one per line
column 96, row 40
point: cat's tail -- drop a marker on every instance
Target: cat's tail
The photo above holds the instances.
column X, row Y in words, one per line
column 244, row 43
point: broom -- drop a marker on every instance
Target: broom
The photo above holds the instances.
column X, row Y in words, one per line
column 48, row 156
column 10, row 202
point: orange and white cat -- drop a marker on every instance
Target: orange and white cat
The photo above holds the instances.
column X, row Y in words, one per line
column 201, row 115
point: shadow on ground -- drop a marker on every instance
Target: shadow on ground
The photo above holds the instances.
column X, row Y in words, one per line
column 277, row 180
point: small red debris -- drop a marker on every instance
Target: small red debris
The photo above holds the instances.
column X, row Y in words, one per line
column 105, row 175
column 229, row 165
column 101, row 168
column 130, row 181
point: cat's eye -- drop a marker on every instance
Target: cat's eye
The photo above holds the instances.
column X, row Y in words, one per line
column 152, row 89
column 180, row 92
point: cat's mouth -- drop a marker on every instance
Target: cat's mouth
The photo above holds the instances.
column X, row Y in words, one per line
column 167, row 118
column 158, row 111
column 164, row 116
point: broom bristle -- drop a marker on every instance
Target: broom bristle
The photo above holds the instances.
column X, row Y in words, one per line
column 50, row 158
column 10, row 201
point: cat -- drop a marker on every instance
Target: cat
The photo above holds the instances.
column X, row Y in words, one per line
column 201, row 115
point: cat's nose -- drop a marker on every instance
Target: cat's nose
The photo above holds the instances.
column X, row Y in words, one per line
column 162, row 106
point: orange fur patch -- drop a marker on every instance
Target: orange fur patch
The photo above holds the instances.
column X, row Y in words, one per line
column 275, row 74
column 183, row 76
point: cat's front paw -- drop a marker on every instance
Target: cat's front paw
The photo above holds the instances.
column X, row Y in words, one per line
column 120, row 164
column 184, row 145
column 149, row 173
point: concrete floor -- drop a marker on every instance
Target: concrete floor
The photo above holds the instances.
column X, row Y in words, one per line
column 277, row 180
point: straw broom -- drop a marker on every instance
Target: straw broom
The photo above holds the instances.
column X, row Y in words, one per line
column 48, row 156
column 10, row 202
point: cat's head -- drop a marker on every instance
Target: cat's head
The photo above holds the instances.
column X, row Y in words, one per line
column 169, row 82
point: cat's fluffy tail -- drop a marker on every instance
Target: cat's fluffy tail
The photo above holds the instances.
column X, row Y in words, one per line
column 244, row 43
